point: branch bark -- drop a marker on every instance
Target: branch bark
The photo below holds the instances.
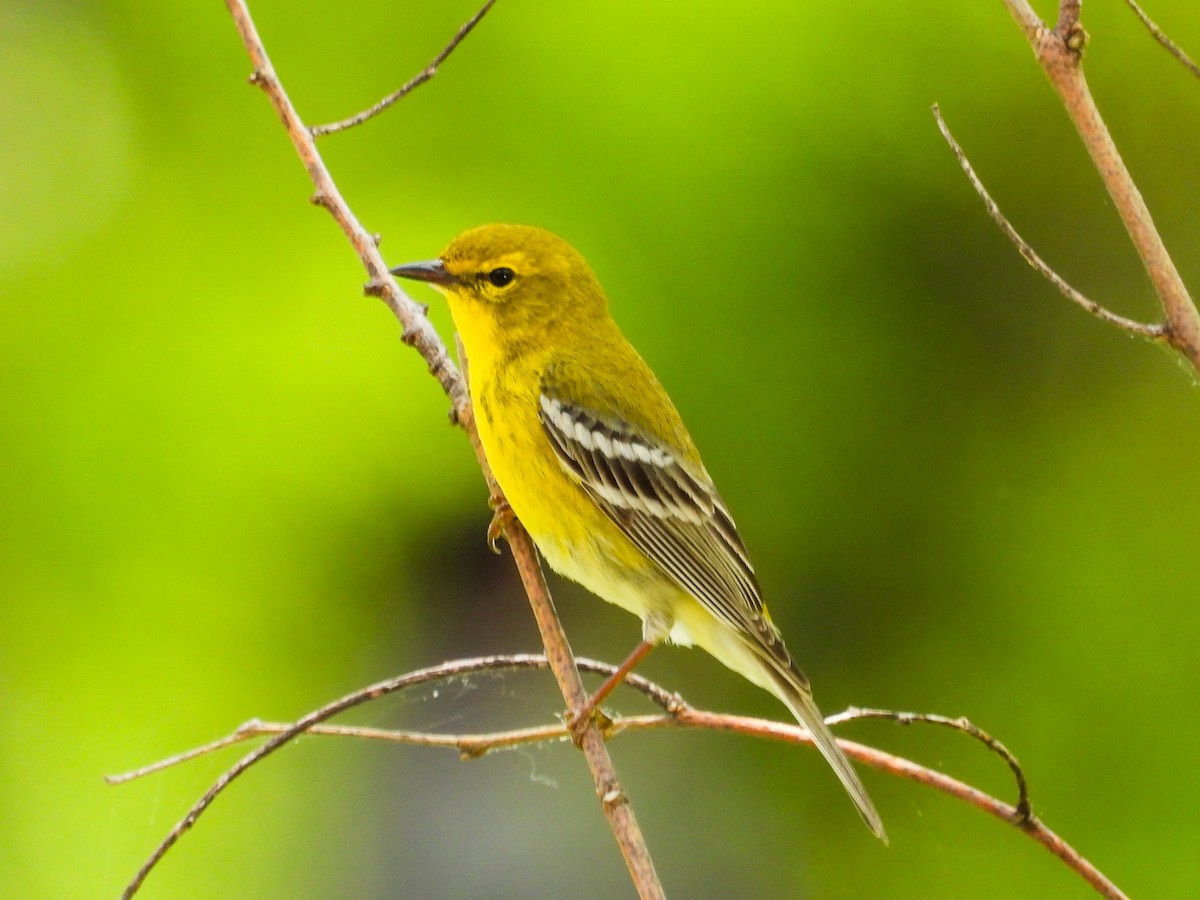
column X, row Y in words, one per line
column 1156, row 332
column 409, row 86
column 1059, row 51
column 420, row 334
column 676, row 714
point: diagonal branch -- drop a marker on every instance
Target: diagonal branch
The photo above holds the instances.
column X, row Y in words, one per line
column 413, row 83
column 1059, row 52
column 1154, row 332
column 420, row 334
column 1157, row 33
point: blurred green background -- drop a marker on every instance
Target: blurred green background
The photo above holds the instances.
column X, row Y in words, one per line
column 228, row 490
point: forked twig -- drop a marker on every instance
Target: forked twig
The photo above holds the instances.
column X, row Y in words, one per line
column 379, row 689
column 1059, row 51
column 420, row 334
column 415, row 82
column 1153, row 332
column 676, row 714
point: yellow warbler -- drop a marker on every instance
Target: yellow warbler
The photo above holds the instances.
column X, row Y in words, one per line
column 597, row 464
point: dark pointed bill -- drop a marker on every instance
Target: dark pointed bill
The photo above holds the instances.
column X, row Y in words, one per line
column 431, row 271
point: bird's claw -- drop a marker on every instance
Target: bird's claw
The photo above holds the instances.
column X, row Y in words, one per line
column 579, row 720
column 502, row 515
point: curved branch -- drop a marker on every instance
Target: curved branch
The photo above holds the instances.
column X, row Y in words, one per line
column 676, row 714
column 409, row 86
column 181, row 827
column 1153, row 332
column 1024, row 808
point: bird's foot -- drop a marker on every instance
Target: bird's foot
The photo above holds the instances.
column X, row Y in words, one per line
column 502, row 516
column 578, row 721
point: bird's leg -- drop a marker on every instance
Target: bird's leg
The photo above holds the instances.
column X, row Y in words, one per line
column 502, row 514
column 578, row 719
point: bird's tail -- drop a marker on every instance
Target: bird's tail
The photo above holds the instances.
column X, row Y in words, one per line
column 793, row 690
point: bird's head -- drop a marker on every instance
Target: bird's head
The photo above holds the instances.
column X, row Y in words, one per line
column 507, row 272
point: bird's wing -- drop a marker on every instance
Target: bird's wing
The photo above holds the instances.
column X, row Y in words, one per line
column 670, row 511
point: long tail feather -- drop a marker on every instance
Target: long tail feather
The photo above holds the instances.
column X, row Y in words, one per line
column 798, row 698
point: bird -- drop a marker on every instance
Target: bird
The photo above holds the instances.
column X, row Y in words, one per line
column 595, row 461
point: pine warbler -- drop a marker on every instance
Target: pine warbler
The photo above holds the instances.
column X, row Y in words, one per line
column 596, row 463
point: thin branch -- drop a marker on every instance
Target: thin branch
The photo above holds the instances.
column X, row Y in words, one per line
column 420, row 334
column 657, row 695
column 469, row 746
column 415, row 82
column 1059, row 53
column 1153, row 332
column 1025, row 16
column 379, row 689
column 604, row 777
column 311, row 723
column 565, row 667
column 677, row 714
column 1157, row 33
column 961, row 723
column 904, row 768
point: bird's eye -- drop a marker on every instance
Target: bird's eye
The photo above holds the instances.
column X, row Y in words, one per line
column 501, row 276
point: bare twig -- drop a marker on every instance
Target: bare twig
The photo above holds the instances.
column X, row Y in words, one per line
column 961, row 723
column 676, row 714
column 379, row 689
column 604, row 777
column 1059, row 52
column 904, row 768
column 1154, row 332
column 1157, row 33
column 469, row 746
column 415, row 82
column 420, row 334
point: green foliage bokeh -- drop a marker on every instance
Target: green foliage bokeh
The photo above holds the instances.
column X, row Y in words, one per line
column 227, row 489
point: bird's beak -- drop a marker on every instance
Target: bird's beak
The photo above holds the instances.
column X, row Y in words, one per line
column 432, row 271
